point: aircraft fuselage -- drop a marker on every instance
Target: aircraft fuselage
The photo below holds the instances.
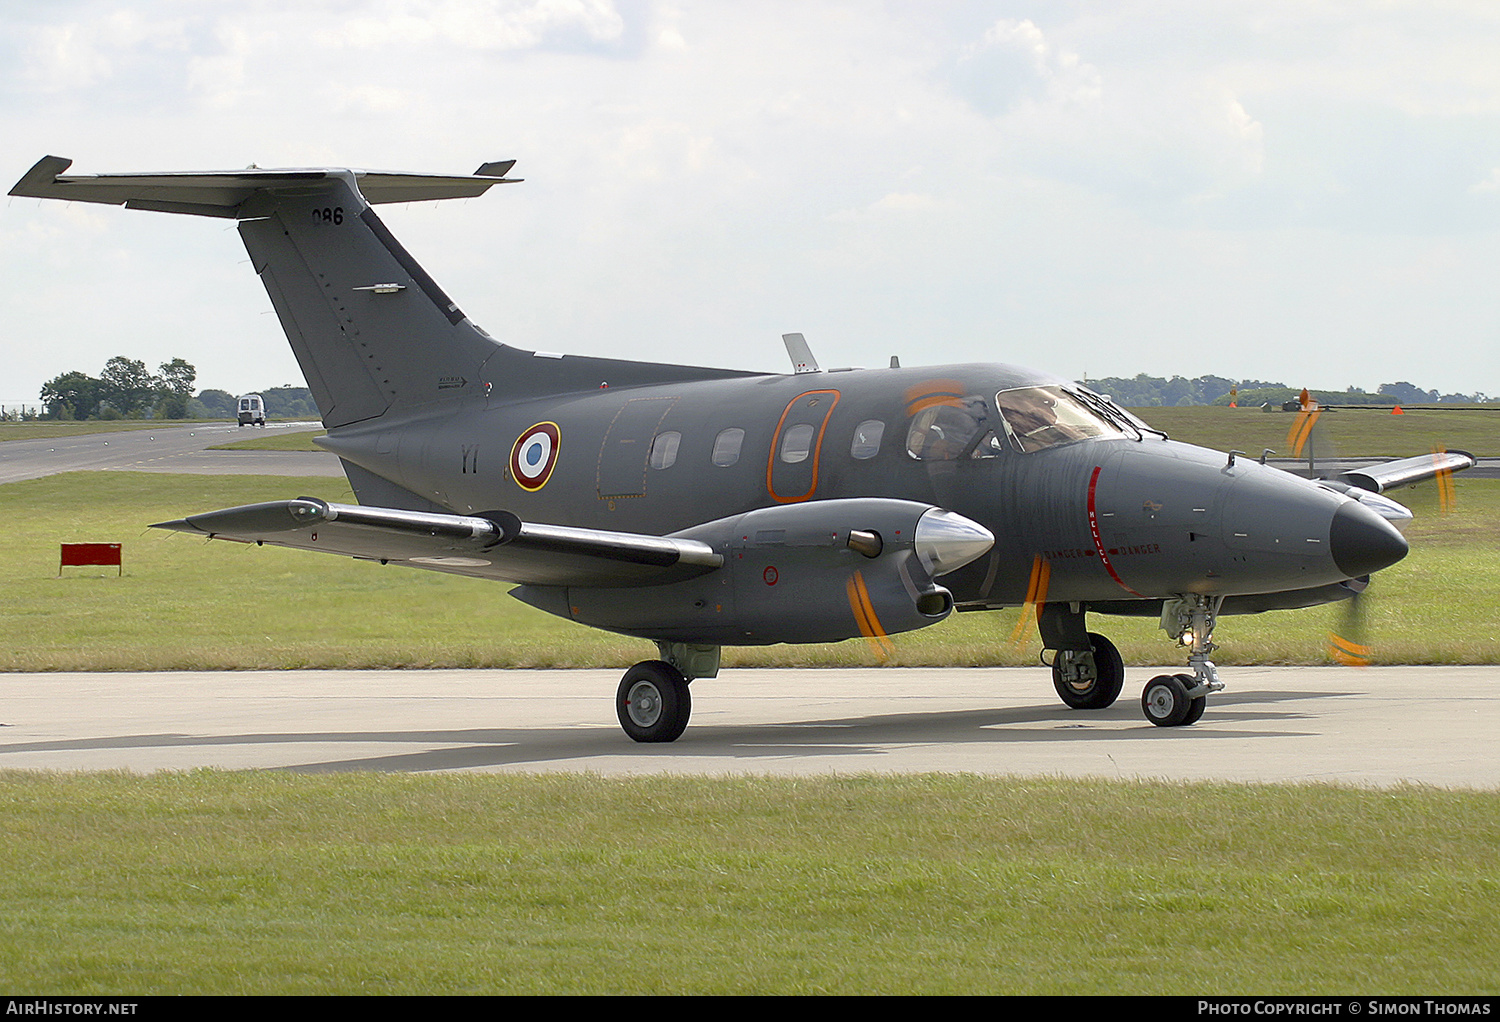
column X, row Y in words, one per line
column 1125, row 515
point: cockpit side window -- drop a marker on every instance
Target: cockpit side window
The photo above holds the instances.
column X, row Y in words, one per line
column 1039, row 417
column 952, row 429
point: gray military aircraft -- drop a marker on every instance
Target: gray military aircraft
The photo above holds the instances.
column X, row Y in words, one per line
column 701, row 507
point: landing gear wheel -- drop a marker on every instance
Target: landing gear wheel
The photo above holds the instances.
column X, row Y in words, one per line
column 653, row 702
column 1165, row 701
column 1103, row 688
column 1195, row 709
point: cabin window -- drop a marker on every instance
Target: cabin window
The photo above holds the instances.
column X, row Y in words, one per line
column 867, row 436
column 953, row 429
column 1039, row 417
column 796, row 443
column 664, row 449
column 727, row 446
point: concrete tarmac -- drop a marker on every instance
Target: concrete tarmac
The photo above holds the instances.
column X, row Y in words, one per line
column 1368, row 727
column 164, row 449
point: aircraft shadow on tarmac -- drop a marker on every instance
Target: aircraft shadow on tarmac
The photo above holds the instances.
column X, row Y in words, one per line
column 861, row 736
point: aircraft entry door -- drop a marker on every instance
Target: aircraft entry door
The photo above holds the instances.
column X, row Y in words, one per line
column 627, row 445
column 792, row 472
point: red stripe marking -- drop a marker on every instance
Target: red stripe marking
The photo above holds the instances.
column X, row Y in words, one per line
column 1099, row 542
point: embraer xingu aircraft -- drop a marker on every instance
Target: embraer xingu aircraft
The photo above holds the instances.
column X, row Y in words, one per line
column 700, row 508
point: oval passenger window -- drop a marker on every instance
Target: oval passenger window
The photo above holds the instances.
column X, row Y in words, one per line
column 727, row 446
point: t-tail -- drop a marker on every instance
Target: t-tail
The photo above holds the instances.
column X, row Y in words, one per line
column 372, row 331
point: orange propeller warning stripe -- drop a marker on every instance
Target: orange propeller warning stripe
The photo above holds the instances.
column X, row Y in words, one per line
column 1036, row 595
column 1446, row 492
column 864, row 616
column 1347, row 651
column 1302, row 429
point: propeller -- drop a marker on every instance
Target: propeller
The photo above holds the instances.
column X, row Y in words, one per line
column 1447, row 493
column 1036, row 595
column 1348, row 642
column 1305, row 434
column 1369, row 484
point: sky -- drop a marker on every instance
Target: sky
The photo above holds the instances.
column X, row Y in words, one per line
column 1301, row 191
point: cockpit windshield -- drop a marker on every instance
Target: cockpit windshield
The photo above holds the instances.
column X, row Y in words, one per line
column 1039, row 417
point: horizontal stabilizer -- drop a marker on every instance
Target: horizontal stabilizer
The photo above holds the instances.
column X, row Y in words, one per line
column 223, row 193
column 1392, row 474
column 497, row 545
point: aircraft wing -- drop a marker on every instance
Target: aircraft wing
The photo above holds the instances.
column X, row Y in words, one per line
column 1391, row 474
column 496, row 545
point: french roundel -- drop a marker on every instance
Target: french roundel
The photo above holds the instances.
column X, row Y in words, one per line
column 534, row 455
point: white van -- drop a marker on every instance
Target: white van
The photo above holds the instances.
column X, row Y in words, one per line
column 252, row 410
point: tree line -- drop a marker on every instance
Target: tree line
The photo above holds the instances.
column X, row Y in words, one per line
column 1155, row 392
column 126, row 389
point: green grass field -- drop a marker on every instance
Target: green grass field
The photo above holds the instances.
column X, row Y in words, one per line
column 185, row 603
column 280, row 440
column 1341, row 432
column 38, row 430
column 245, row 883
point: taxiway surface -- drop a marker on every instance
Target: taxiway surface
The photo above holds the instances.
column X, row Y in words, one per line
column 164, row 449
column 1373, row 727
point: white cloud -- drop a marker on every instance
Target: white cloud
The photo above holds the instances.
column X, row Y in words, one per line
column 1134, row 187
column 478, row 24
column 1489, row 184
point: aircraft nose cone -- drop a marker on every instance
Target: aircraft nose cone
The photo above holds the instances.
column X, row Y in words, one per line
column 1362, row 542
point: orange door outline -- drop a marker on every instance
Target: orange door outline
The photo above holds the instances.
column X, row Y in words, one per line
column 817, row 448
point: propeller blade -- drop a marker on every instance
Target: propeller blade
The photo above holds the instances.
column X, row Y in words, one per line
column 1348, row 643
column 1036, row 595
column 1447, row 495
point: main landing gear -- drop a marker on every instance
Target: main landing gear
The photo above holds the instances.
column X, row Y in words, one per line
column 1088, row 673
column 1089, row 679
column 1086, row 669
column 653, row 702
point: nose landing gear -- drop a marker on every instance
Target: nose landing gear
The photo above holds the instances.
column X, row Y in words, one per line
column 1176, row 700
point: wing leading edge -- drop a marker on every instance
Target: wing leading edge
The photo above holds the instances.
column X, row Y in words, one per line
column 497, row 545
column 1405, row 472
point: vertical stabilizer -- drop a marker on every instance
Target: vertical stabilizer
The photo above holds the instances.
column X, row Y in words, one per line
column 371, row 330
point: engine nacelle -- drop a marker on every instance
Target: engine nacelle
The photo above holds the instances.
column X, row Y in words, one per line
column 822, row 571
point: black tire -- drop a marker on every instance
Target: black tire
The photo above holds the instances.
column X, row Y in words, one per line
column 1102, row 692
column 1165, row 701
column 1196, row 708
column 653, row 703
